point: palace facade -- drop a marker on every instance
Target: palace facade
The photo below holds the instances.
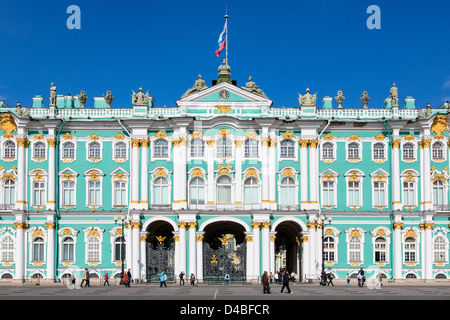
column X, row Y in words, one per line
column 224, row 182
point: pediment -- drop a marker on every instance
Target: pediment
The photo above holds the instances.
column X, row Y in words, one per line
column 224, row 94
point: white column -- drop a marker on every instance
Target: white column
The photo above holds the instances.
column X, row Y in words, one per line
column 182, row 246
column 256, row 250
column 183, row 170
column 134, row 201
column 265, row 246
column 313, row 175
column 428, row 263
column 143, row 248
column 135, row 245
column 192, row 247
column 51, row 247
column 19, row 253
column 210, row 159
column 21, row 202
column 396, row 202
column 305, row 255
column 238, row 172
column 272, row 172
column 51, row 194
column 265, row 169
column 303, row 174
column 272, row 236
column 426, row 191
column 199, row 239
column 144, row 174
column 312, row 250
column 179, row 172
column 397, row 249
column 176, row 237
column 250, row 267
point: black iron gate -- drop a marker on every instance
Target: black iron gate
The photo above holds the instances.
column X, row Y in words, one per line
column 224, row 259
column 160, row 257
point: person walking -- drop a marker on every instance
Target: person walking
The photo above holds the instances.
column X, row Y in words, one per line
column 323, row 279
column 181, row 277
column 162, row 279
column 192, row 279
column 126, row 280
column 106, row 278
column 265, row 282
column 129, row 276
column 330, row 279
column 276, row 277
column 348, row 280
column 271, row 277
column 285, row 280
column 86, row 277
column 360, row 277
column 227, row 279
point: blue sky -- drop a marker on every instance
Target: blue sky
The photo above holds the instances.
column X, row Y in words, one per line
column 286, row 46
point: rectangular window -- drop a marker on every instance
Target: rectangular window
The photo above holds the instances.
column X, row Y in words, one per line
column 328, row 193
column 408, row 193
column 353, row 194
column 39, row 193
column 379, row 192
column 120, row 193
column 68, row 191
column 94, row 193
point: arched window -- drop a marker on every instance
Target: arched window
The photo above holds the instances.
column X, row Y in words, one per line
column 161, row 148
column 224, row 148
column 119, row 249
column 224, row 190
column 380, row 249
column 161, row 191
column 10, row 149
column 355, row 249
column 197, row 191
column 68, row 150
column 409, row 250
column 120, row 150
column 7, row 249
column 353, row 150
column 68, row 249
column 378, row 150
column 251, row 148
column 438, row 193
column 197, row 148
column 408, row 151
column 440, row 250
column 287, row 191
column 38, row 249
column 328, row 150
column 9, row 192
column 329, row 249
column 94, row 150
column 287, row 148
column 93, row 249
column 251, row 191
column 437, row 150
column 39, row 150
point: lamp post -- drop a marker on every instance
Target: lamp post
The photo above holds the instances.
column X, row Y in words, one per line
column 122, row 245
column 322, row 224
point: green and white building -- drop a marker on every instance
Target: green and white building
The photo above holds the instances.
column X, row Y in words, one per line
column 224, row 181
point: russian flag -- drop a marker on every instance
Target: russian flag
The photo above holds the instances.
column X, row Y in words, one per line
column 222, row 40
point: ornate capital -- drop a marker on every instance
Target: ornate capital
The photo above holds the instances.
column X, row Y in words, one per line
column 145, row 143
column 135, row 143
column 265, row 225
column 426, row 143
column 51, row 143
column 396, row 143
column 191, row 225
column 21, row 225
column 50, row 225
column 136, row 225
column 313, row 143
column 397, row 225
column 255, row 225
column 303, row 143
column 21, row 142
column 238, row 143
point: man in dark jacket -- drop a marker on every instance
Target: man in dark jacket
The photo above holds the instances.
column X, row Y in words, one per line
column 265, row 282
column 285, row 282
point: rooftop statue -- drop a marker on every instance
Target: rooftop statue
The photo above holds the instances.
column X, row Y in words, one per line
column 199, row 85
column 307, row 99
column 53, row 95
column 109, row 98
column 339, row 99
column 82, row 98
column 365, row 99
column 250, row 86
column 20, row 112
column 224, row 68
column 140, row 98
column 394, row 96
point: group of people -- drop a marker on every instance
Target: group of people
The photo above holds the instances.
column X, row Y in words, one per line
column 126, row 279
column 191, row 279
column 326, row 279
column 280, row 277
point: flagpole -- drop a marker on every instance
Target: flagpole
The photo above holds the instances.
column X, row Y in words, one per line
column 226, row 37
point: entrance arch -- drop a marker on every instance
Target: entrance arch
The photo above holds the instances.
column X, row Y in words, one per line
column 160, row 250
column 224, row 250
column 288, row 246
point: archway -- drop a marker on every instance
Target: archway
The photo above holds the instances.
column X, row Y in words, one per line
column 160, row 249
column 288, row 247
column 224, row 251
